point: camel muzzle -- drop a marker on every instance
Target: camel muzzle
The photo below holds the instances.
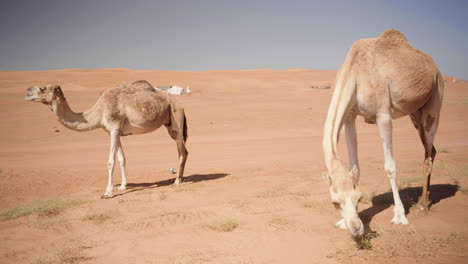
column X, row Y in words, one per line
column 30, row 95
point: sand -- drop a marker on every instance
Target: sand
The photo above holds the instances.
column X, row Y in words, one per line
column 253, row 191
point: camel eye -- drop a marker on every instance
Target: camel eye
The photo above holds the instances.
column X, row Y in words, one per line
column 337, row 205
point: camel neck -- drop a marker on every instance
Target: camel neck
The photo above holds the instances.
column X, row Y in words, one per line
column 330, row 146
column 71, row 120
column 339, row 106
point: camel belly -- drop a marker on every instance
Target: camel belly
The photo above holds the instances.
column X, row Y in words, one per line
column 139, row 128
column 398, row 102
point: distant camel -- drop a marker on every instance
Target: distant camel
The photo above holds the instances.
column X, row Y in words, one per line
column 121, row 111
column 381, row 79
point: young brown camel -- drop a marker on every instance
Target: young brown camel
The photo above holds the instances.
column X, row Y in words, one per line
column 381, row 79
column 121, row 111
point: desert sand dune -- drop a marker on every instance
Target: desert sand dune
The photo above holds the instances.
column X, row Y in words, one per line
column 253, row 191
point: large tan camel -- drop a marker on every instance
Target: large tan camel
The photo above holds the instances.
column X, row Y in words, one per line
column 121, row 111
column 381, row 79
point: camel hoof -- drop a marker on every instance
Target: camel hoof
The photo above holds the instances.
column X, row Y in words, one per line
column 107, row 196
column 400, row 220
column 122, row 188
column 177, row 182
column 423, row 206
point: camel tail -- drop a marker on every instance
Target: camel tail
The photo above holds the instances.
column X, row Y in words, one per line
column 440, row 86
column 185, row 129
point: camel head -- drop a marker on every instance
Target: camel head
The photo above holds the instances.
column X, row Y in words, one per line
column 44, row 94
column 345, row 195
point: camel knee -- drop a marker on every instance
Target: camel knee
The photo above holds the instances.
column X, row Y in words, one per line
column 122, row 161
column 391, row 170
column 391, row 173
column 110, row 164
column 427, row 166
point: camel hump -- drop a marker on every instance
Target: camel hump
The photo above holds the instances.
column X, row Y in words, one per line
column 391, row 38
column 142, row 84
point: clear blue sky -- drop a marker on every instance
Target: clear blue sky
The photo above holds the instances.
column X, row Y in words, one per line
column 198, row 35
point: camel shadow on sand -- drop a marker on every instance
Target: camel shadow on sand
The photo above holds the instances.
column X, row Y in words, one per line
column 409, row 197
column 194, row 178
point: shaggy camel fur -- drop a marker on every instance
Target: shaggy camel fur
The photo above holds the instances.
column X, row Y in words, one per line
column 381, row 79
column 121, row 111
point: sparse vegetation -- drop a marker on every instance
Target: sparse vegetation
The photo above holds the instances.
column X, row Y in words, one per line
column 301, row 193
column 319, row 204
column 364, row 242
column 71, row 254
column 97, row 218
column 367, row 198
column 459, row 101
column 323, row 205
column 191, row 257
column 43, row 208
column 278, row 222
column 239, row 204
column 442, row 150
column 281, row 191
column 456, row 171
column 407, row 171
column 463, row 190
column 223, row 225
column 182, row 188
column 393, row 243
column 42, row 222
column 162, row 196
column 408, row 181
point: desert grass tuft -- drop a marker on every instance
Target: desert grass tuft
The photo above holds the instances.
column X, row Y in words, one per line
column 363, row 242
column 98, row 218
column 309, row 204
column 42, row 208
column 278, row 222
column 70, row 254
column 463, row 190
column 443, row 150
column 223, row 225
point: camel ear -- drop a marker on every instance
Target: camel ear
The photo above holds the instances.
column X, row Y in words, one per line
column 326, row 177
column 58, row 91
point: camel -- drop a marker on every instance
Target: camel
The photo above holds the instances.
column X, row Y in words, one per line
column 122, row 111
column 382, row 78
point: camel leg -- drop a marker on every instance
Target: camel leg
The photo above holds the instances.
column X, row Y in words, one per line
column 121, row 157
column 426, row 121
column 114, row 146
column 384, row 123
column 351, row 143
column 183, row 154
